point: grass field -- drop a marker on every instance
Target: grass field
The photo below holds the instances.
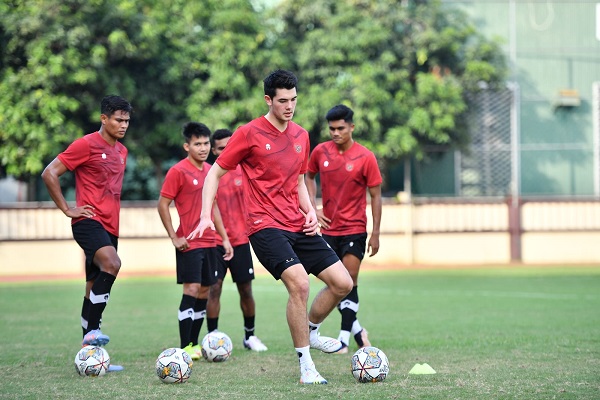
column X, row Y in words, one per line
column 499, row 333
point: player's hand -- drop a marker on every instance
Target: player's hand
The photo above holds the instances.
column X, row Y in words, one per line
column 199, row 231
column 311, row 225
column 323, row 220
column 180, row 243
column 228, row 250
column 373, row 246
column 83, row 211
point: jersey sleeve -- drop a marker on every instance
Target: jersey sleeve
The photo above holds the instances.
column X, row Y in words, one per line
column 236, row 150
column 172, row 184
column 313, row 161
column 304, row 166
column 76, row 154
column 372, row 172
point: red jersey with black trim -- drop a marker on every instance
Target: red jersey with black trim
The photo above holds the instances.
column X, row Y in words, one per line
column 230, row 199
column 99, row 169
column 271, row 162
column 344, row 180
column 183, row 184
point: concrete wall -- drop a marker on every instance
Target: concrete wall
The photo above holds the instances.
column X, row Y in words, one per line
column 38, row 241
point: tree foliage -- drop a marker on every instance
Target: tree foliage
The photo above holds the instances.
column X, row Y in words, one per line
column 403, row 67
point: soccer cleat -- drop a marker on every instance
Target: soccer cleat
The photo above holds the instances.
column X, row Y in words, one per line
column 310, row 376
column 198, row 350
column 115, row 368
column 343, row 350
column 325, row 344
column 254, row 343
column 191, row 350
column 95, row 338
column 363, row 335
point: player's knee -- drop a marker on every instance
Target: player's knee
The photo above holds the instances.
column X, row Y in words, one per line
column 112, row 266
column 343, row 286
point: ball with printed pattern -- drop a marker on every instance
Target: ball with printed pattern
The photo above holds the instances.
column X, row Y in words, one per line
column 92, row 361
column 216, row 347
column 174, row 365
column 370, row 364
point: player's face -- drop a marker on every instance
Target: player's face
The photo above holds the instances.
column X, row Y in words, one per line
column 282, row 106
column 116, row 125
column 341, row 132
column 220, row 146
column 198, row 148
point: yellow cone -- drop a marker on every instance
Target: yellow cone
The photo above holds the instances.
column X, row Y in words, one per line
column 422, row 369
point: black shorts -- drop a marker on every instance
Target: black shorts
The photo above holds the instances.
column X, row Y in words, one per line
column 241, row 267
column 278, row 250
column 91, row 236
column 349, row 244
column 196, row 266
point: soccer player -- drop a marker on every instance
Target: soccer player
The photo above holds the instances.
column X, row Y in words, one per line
column 98, row 161
column 282, row 224
column 347, row 171
column 230, row 199
column 195, row 259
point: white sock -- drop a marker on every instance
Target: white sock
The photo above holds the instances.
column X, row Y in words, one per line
column 304, row 354
column 344, row 337
column 356, row 327
column 313, row 330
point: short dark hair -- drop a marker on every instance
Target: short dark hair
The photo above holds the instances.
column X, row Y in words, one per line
column 112, row 103
column 340, row 112
column 195, row 129
column 279, row 79
column 220, row 134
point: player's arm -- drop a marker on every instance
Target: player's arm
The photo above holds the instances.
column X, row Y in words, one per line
column 373, row 246
column 50, row 176
column 165, row 216
column 311, row 221
column 209, row 191
column 311, row 186
column 223, row 233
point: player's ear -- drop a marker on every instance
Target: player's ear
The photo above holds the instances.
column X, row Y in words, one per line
column 268, row 100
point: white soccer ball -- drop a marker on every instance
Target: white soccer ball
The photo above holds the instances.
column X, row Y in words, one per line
column 216, row 346
column 369, row 364
column 174, row 365
column 92, row 361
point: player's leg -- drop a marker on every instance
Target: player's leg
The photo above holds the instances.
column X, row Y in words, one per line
column 188, row 268
column 207, row 280
column 274, row 250
column 348, row 307
column 297, row 284
column 213, row 308
column 242, row 273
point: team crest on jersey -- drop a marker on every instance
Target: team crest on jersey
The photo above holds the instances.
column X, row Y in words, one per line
column 298, row 148
column 349, row 167
column 268, row 146
column 326, row 164
column 238, row 182
column 103, row 156
column 122, row 160
column 195, row 182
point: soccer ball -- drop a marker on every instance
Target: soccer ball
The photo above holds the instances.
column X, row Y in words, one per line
column 369, row 364
column 216, row 346
column 174, row 365
column 92, row 361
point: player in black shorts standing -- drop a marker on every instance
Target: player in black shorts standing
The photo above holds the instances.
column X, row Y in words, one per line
column 98, row 161
column 195, row 259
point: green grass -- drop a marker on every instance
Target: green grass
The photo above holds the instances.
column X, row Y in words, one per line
column 501, row 333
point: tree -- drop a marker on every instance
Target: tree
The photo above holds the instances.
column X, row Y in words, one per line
column 175, row 60
column 404, row 67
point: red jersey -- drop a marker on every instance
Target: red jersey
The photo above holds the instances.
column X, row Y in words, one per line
column 183, row 184
column 230, row 199
column 99, row 168
column 344, row 180
column 271, row 162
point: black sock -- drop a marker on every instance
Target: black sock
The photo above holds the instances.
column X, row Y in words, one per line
column 85, row 312
column 212, row 324
column 186, row 319
column 249, row 326
column 348, row 308
column 99, row 296
column 199, row 314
